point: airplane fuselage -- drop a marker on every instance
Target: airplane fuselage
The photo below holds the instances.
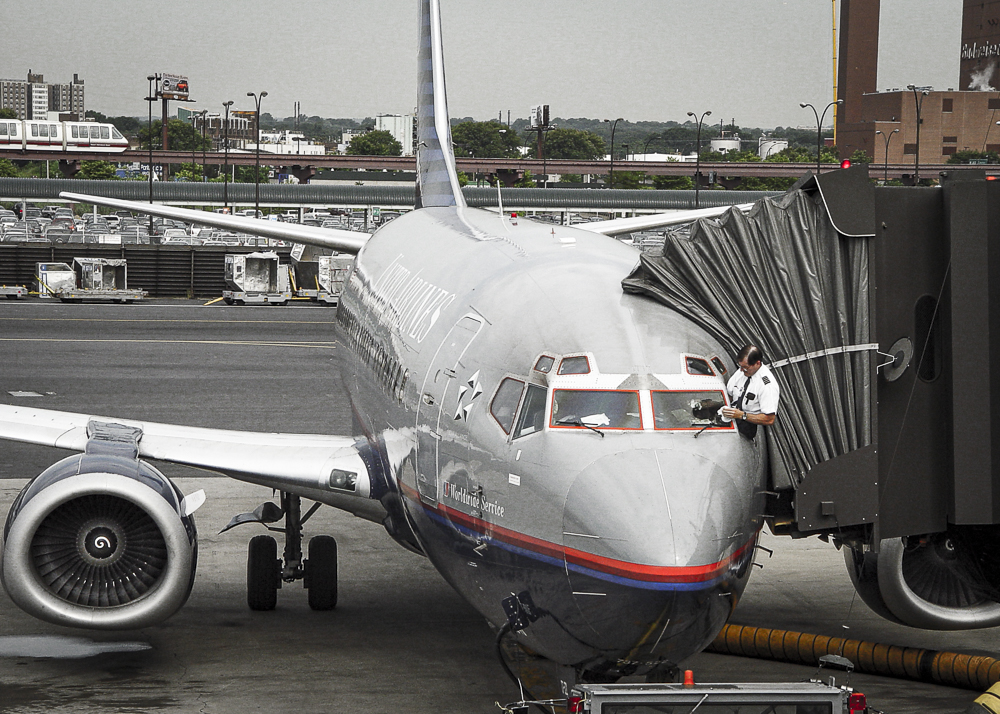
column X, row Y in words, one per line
column 536, row 429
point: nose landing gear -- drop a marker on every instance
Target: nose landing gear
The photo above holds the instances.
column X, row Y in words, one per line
column 266, row 572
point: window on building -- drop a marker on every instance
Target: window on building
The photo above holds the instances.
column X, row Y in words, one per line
column 993, row 148
column 948, row 150
column 994, row 104
column 950, row 140
column 909, row 149
column 947, row 105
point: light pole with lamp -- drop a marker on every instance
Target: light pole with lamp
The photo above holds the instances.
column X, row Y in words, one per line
column 225, row 140
column 885, row 164
column 194, row 145
column 697, row 155
column 257, row 163
column 149, row 128
column 819, row 126
column 204, row 150
column 918, row 100
column 611, row 175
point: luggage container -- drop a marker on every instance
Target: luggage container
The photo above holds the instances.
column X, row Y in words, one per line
column 50, row 278
column 100, row 279
column 256, row 279
column 317, row 275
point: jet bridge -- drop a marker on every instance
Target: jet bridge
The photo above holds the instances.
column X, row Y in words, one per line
column 878, row 309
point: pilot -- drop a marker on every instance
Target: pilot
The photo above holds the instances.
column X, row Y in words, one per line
column 753, row 392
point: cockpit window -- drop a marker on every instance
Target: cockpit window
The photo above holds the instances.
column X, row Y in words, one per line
column 720, row 365
column 532, row 417
column 574, row 365
column 595, row 408
column 699, row 366
column 688, row 410
column 504, row 404
column 544, row 364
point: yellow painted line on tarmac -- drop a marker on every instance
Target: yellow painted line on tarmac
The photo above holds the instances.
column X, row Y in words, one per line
column 238, row 343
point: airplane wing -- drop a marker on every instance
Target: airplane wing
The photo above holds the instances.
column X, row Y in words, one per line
column 340, row 240
column 298, row 463
column 619, row 226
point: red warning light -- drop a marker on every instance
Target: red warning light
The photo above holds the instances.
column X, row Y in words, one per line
column 857, row 703
column 574, row 704
column 688, row 678
column 845, row 164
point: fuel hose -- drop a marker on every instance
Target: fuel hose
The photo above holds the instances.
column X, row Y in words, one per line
column 948, row 668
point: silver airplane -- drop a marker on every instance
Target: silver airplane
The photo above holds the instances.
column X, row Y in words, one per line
column 549, row 442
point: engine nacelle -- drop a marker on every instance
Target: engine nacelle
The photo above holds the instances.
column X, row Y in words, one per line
column 99, row 540
column 935, row 582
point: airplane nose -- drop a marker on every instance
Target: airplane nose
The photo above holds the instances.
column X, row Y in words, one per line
column 654, row 539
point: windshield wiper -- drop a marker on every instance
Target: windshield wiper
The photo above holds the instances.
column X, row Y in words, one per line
column 574, row 420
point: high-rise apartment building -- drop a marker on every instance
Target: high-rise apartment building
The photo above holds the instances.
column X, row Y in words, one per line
column 35, row 98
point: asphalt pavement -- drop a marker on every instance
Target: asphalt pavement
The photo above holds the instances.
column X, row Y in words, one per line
column 400, row 639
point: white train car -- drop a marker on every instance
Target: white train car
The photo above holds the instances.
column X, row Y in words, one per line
column 37, row 135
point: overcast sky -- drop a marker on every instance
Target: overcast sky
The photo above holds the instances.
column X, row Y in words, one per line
column 752, row 60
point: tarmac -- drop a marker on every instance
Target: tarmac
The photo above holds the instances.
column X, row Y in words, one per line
column 400, row 639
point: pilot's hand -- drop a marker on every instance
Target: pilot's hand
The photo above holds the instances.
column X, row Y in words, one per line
column 728, row 413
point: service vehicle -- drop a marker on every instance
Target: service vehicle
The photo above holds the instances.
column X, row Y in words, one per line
column 812, row 697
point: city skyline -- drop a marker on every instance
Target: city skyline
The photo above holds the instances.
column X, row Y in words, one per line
column 644, row 60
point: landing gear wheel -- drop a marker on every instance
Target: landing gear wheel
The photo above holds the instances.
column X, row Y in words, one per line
column 263, row 573
column 321, row 573
column 229, row 301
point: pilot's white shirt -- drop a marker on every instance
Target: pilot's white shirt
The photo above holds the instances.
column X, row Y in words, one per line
column 762, row 392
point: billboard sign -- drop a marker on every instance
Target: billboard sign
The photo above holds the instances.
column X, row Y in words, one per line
column 538, row 116
column 173, row 86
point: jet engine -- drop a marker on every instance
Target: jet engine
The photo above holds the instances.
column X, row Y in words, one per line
column 942, row 581
column 100, row 540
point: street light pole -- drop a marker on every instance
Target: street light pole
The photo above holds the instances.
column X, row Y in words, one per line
column 819, row 126
column 149, row 128
column 697, row 156
column 611, row 176
column 918, row 100
column 885, row 164
column 204, row 149
column 225, row 134
column 194, row 145
column 257, row 163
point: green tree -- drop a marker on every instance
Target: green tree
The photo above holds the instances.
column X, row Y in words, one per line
column 485, row 139
column 181, row 136
column 773, row 183
column 665, row 183
column 570, row 144
column 375, row 143
column 974, row 157
column 860, row 156
column 245, row 174
column 126, row 125
column 7, row 168
column 6, row 113
column 96, row 170
column 628, row 179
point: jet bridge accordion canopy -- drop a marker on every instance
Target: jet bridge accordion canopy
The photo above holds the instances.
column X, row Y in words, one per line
column 785, row 278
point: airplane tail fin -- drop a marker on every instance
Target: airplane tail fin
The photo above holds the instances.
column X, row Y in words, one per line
column 437, row 177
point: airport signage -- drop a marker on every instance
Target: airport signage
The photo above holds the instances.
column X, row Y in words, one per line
column 173, row 86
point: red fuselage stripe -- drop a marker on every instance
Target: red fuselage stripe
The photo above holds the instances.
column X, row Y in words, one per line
column 635, row 571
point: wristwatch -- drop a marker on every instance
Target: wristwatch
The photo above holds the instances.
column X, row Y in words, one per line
column 744, row 417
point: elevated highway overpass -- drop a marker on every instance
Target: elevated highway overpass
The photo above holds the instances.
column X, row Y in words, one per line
column 304, row 166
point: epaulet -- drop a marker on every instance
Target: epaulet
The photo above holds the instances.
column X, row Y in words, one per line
column 766, row 380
